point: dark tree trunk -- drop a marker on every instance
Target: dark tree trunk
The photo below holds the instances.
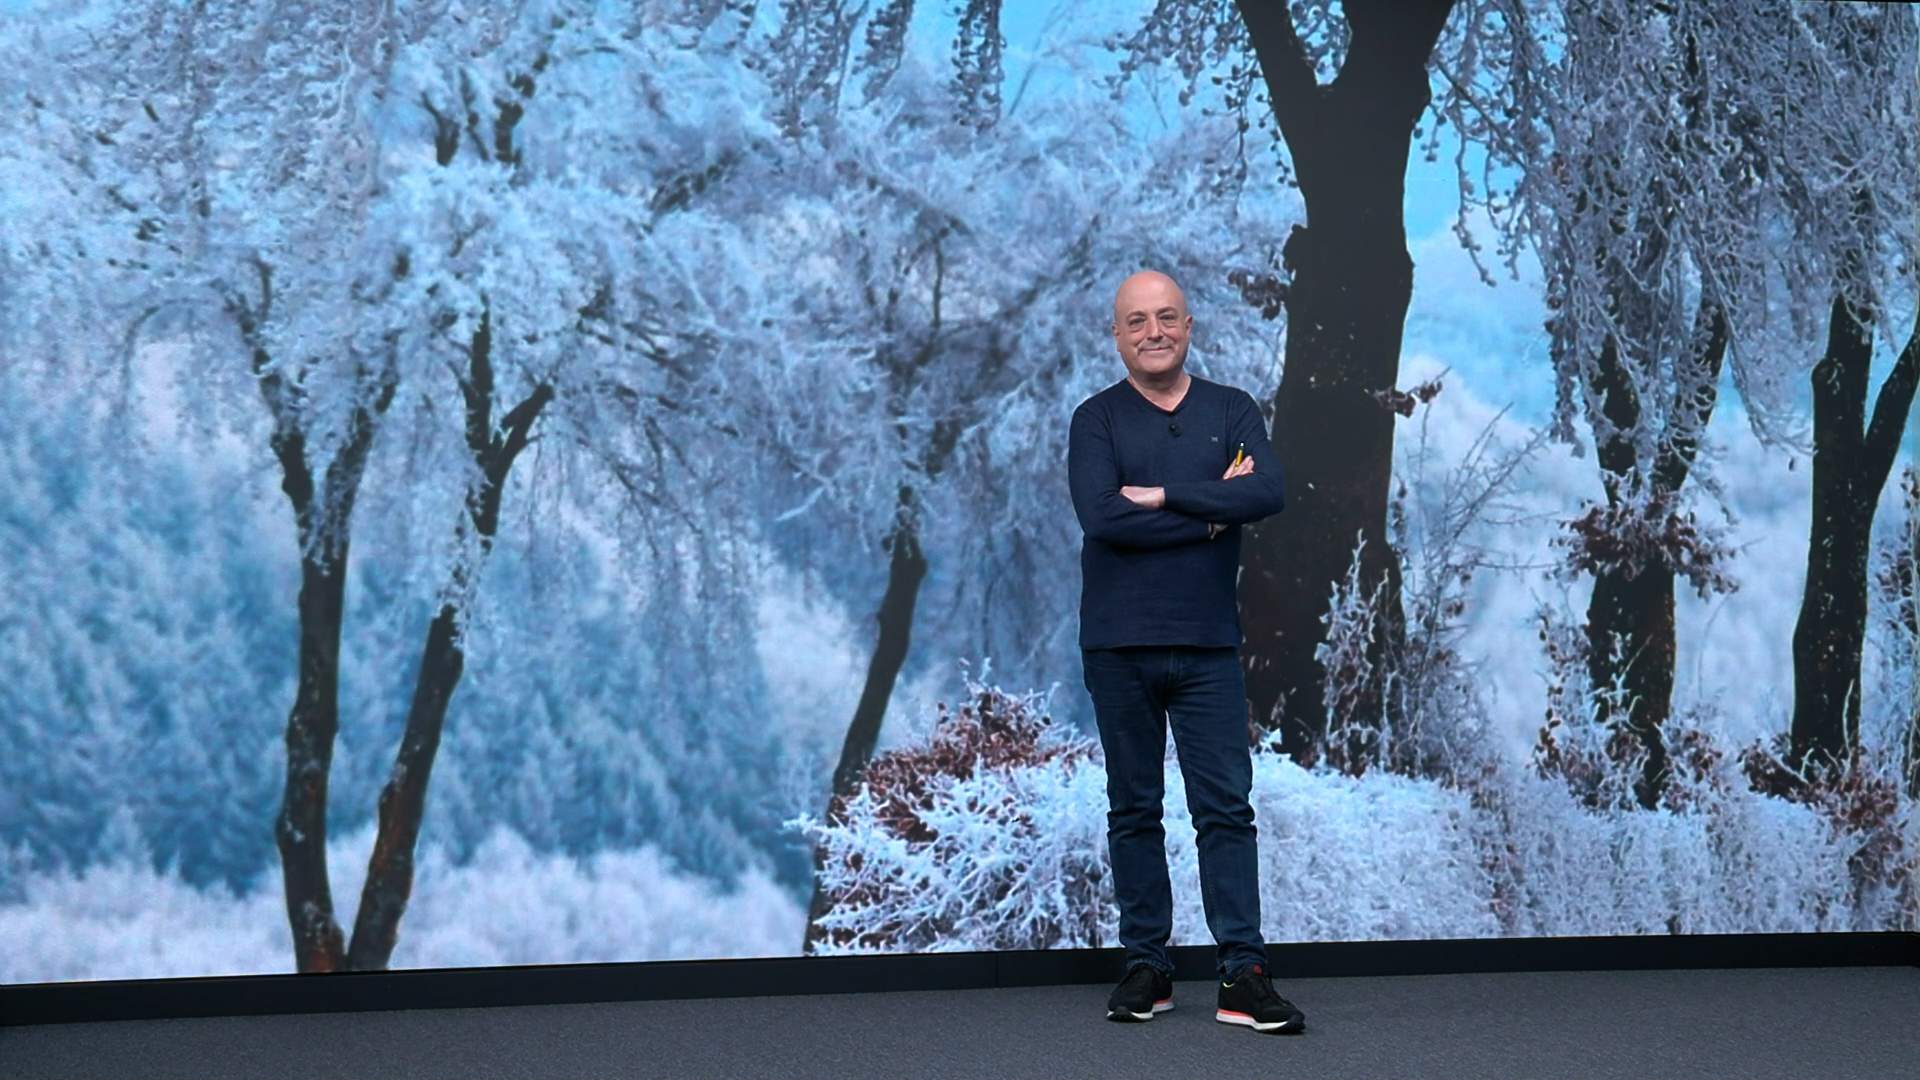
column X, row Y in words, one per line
column 1851, row 460
column 1632, row 603
column 1904, row 585
column 1352, row 281
column 389, row 883
column 322, row 518
column 1638, row 612
column 300, row 830
column 906, row 569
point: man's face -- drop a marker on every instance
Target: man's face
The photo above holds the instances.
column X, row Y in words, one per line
column 1151, row 325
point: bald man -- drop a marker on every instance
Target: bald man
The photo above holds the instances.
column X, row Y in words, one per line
column 1165, row 468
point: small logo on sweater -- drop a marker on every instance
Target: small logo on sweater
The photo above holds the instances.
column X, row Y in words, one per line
column 1213, row 438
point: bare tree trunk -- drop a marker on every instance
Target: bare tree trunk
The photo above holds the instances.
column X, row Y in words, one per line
column 389, row 882
column 1851, row 460
column 300, row 829
column 1638, row 613
column 906, row 569
column 1905, row 586
column 322, row 519
column 1352, row 281
column 1632, row 603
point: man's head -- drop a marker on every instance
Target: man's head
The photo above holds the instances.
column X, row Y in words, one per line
column 1151, row 325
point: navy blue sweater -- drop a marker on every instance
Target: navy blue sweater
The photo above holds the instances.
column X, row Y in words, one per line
column 1151, row 577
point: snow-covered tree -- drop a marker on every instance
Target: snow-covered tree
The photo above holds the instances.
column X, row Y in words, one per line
column 1849, row 78
column 1642, row 162
column 1344, row 91
column 240, row 159
column 944, row 319
column 468, row 218
column 1680, row 172
column 540, row 200
column 125, row 637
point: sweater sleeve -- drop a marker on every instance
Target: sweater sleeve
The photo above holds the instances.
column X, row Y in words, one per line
column 1093, row 474
column 1243, row 499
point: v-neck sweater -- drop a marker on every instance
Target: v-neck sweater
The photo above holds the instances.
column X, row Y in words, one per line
column 1152, row 577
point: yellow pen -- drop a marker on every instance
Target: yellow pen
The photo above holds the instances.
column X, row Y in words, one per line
column 1237, row 455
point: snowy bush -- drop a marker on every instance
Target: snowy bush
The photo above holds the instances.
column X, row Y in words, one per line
column 1863, row 808
column 991, row 834
column 1346, row 858
column 1741, row 863
column 1896, row 591
column 1400, row 690
column 1738, row 842
column 985, row 836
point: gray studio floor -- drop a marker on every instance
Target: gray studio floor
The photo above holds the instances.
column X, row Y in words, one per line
column 1798, row 1023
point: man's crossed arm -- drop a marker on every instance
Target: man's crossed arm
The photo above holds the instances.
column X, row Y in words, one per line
column 1179, row 513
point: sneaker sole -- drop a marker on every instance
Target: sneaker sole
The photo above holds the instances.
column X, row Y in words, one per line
column 1130, row 1015
column 1271, row 1027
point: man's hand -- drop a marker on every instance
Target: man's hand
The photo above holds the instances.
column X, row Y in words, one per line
column 1214, row 528
column 1152, row 498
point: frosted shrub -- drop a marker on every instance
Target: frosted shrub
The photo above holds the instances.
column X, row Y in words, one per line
column 1351, row 676
column 1599, row 764
column 1896, row 587
column 1400, row 693
column 1731, row 861
column 1345, row 858
column 1861, row 805
column 1728, row 848
column 990, row 835
column 1402, row 701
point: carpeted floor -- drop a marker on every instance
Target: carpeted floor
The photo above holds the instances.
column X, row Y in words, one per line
column 1747, row 1024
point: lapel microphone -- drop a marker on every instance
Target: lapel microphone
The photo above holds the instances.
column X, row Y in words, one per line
column 1174, row 426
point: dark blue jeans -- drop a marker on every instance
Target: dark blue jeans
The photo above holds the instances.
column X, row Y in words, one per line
column 1136, row 691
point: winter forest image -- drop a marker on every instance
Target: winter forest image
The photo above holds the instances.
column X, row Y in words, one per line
column 565, row 481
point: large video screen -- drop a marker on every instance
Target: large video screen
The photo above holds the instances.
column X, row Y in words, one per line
column 520, row 483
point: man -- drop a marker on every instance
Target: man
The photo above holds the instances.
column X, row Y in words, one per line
column 1165, row 468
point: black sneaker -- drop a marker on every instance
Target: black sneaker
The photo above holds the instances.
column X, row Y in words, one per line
column 1142, row 993
column 1250, row 1001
